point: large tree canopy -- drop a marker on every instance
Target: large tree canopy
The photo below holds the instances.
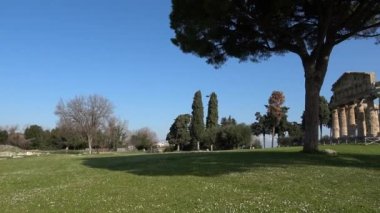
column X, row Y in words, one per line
column 256, row 29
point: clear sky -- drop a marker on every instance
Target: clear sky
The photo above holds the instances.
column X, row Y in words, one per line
column 121, row 49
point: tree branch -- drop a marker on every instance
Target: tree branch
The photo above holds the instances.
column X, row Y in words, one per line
column 369, row 36
column 324, row 25
column 352, row 33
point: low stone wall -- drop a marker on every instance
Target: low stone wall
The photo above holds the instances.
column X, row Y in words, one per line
column 18, row 154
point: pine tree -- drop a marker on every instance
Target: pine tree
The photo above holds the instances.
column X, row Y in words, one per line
column 179, row 134
column 197, row 123
column 255, row 30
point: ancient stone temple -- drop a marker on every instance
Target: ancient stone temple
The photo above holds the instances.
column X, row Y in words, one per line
column 354, row 113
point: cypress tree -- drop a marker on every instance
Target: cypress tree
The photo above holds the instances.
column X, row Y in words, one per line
column 197, row 123
column 212, row 113
column 211, row 122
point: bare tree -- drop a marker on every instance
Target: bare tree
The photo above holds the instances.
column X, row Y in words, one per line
column 85, row 114
column 144, row 138
column 15, row 138
column 116, row 132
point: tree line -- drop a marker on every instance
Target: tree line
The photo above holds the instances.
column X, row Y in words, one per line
column 36, row 137
column 88, row 122
column 84, row 122
column 189, row 131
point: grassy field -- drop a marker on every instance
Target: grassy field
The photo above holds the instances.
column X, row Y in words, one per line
column 277, row 180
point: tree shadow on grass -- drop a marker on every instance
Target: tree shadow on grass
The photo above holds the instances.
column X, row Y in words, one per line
column 219, row 163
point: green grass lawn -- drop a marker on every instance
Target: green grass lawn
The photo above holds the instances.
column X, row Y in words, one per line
column 277, row 180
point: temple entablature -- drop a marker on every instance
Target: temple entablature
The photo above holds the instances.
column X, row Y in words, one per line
column 354, row 113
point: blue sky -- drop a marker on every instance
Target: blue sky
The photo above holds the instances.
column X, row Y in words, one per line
column 121, row 49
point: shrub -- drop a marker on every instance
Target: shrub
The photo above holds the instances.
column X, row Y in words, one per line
column 256, row 143
column 290, row 141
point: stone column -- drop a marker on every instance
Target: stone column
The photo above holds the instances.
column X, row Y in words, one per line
column 373, row 119
column 360, row 121
column 335, row 124
column 342, row 122
column 351, row 120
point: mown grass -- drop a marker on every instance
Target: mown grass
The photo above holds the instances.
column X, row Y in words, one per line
column 277, row 180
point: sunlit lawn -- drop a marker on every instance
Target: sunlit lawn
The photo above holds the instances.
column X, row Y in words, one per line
column 236, row 181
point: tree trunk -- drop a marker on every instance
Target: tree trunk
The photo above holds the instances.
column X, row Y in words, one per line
column 315, row 67
column 177, row 147
column 320, row 131
column 273, row 132
column 264, row 139
column 212, row 147
column 311, row 116
column 313, row 83
column 198, row 147
column 89, row 139
column 330, row 138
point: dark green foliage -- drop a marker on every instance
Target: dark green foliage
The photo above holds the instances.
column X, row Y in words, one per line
column 34, row 132
column 295, row 135
column 44, row 139
column 295, row 129
column 197, row 125
column 66, row 136
column 56, row 140
column 290, row 141
column 212, row 112
column 258, row 126
column 324, row 114
column 209, row 137
column 261, row 126
column 227, row 121
column 179, row 134
column 34, row 137
column 233, row 136
column 282, row 126
column 254, row 30
column 3, row 136
column 37, row 136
